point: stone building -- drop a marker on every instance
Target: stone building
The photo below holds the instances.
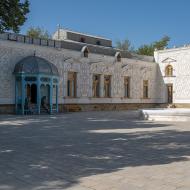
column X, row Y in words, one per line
column 174, row 66
column 75, row 71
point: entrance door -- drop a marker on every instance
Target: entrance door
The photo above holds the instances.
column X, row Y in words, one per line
column 170, row 93
column 33, row 93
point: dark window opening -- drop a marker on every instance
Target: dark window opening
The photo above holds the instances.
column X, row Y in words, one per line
column 119, row 58
column 145, row 89
column 82, row 40
column 72, row 85
column 107, row 86
column 126, row 87
column 98, row 43
column 32, row 93
column 86, row 52
column 96, row 86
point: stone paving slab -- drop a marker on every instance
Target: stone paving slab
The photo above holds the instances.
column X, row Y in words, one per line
column 93, row 151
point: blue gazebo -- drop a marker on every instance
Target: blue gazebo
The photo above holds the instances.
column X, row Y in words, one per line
column 36, row 86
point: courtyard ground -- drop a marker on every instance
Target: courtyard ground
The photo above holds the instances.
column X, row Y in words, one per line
column 93, row 151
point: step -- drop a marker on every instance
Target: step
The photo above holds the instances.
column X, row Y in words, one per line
column 170, row 114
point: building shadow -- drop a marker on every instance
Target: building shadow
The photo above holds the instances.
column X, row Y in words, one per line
column 54, row 152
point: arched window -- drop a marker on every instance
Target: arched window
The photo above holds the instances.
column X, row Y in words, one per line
column 85, row 51
column 169, row 71
column 118, row 56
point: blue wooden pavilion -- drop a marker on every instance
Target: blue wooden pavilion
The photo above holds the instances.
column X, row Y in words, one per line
column 36, row 86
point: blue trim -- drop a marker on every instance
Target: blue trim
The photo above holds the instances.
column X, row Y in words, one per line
column 57, row 108
column 23, row 94
column 51, row 95
column 38, row 83
column 16, row 96
column 38, row 94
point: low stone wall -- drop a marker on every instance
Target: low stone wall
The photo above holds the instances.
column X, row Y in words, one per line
column 7, row 109
column 107, row 107
column 182, row 105
column 10, row 109
column 172, row 114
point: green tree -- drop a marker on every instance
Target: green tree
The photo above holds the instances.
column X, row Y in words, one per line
column 124, row 45
column 149, row 49
column 37, row 32
column 13, row 14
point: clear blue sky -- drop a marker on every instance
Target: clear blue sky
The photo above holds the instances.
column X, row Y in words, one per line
column 141, row 21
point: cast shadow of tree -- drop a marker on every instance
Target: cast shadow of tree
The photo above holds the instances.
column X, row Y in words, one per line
column 55, row 152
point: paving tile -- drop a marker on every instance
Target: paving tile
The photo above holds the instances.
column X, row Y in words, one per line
column 93, row 151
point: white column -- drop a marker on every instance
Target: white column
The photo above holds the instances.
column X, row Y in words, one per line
column 90, row 85
column 101, row 85
column 64, row 83
column 78, row 87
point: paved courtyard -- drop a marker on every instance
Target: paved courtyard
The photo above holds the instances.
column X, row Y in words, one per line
column 93, row 151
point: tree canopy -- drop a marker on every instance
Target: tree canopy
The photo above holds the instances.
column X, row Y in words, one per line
column 124, row 45
column 149, row 49
column 13, row 14
column 37, row 32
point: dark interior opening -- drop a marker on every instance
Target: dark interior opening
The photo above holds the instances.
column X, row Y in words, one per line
column 33, row 93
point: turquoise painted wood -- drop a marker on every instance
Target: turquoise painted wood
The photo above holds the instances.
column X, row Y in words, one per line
column 16, row 95
column 39, row 82
column 23, row 94
column 51, row 95
column 38, row 94
column 57, row 109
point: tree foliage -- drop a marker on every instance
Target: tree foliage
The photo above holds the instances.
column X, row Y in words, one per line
column 37, row 32
column 13, row 14
column 124, row 45
column 149, row 49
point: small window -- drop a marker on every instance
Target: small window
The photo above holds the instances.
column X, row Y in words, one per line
column 145, row 89
column 169, row 71
column 82, row 40
column 98, row 43
column 72, row 84
column 85, row 51
column 96, row 86
column 107, row 86
column 126, row 87
column 118, row 56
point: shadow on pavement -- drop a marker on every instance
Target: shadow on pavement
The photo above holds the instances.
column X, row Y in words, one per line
column 53, row 152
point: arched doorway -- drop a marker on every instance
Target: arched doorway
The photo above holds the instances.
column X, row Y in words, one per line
column 31, row 93
column 45, row 98
column 45, row 91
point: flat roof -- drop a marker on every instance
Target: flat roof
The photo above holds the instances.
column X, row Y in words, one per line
column 185, row 47
column 84, row 34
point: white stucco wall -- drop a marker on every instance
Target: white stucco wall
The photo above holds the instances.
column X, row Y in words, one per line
column 67, row 60
column 179, row 58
